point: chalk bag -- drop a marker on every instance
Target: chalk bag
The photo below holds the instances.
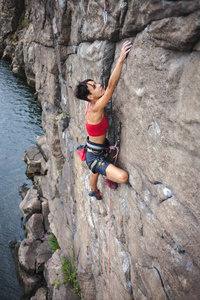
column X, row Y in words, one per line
column 81, row 150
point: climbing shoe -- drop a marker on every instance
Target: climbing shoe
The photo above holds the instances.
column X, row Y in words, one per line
column 110, row 184
column 97, row 195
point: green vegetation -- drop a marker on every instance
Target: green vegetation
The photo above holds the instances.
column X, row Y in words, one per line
column 57, row 282
column 53, row 243
column 62, row 115
column 59, row 172
column 69, row 271
column 24, row 24
column 69, row 267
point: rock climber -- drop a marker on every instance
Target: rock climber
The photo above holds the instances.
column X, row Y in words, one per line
column 97, row 125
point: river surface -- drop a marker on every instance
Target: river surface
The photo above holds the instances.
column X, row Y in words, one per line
column 20, row 124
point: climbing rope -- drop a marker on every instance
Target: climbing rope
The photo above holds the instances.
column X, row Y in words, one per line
column 109, row 224
column 109, row 244
column 117, row 150
column 115, row 147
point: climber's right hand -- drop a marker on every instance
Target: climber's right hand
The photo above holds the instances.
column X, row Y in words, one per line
column 126, row 48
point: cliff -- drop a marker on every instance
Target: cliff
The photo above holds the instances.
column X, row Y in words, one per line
column 155, row 218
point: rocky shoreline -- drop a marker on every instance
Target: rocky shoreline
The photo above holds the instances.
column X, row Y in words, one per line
column 37, row 267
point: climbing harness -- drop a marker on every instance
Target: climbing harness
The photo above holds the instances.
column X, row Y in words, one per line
column 96, row 147
column 93, row 165
column 106, row 149
column 105, row 13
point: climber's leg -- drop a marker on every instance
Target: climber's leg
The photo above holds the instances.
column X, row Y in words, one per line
column 93, row 181
column 115, row 174
column 94, row 191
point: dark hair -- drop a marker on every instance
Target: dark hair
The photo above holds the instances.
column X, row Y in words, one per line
column 82, row 91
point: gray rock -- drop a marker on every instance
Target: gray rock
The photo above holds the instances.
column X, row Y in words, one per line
column 43, row 254
column 41, row 294
column 155, row 228
column 30, row 204
column 27, row 255
column 87, row 283
column 35, row 161
column 10, row 13
column 167, row 32
column 33, row 254
column 23, row 258
column 45, row 213
column 42, row 184
column 142, row 13
column 35, row 227
column 29, row 283
column 42, row 145
column 52, row 273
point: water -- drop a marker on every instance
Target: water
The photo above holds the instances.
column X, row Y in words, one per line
column 20, row 124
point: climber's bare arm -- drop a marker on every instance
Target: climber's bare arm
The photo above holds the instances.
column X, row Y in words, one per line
column 114, row 78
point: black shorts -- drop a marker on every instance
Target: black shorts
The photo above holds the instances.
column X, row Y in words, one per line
column 101, row 165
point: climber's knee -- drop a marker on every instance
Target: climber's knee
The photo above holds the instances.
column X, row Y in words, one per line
column 115, row 174
column 124, row 177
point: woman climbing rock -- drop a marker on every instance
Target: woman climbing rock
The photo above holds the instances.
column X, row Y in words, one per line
column 97, row 125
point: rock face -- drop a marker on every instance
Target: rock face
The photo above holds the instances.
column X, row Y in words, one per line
column 52, row 273
column 10, row 13
column 155, row 219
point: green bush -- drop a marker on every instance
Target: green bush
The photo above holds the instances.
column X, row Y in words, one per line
column 53, row 243
column 69, row 272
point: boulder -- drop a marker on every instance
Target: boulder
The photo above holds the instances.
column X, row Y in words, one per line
column 27, row 255
column 42, row 184
column 23, row 256
column 23, row 189
column 45, row 213
column 29, row 283
column 33, row 254
column 36, row 164
column 41, row 294
column 43, row 254
column 35, row 227
column 30, row 204
column 41, row 143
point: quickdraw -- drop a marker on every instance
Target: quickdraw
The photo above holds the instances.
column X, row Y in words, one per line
column 117, row 143
column 105, row 13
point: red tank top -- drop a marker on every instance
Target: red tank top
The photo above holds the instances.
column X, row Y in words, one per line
column 96, row 129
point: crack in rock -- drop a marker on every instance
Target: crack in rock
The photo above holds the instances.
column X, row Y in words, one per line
column 162, row 283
